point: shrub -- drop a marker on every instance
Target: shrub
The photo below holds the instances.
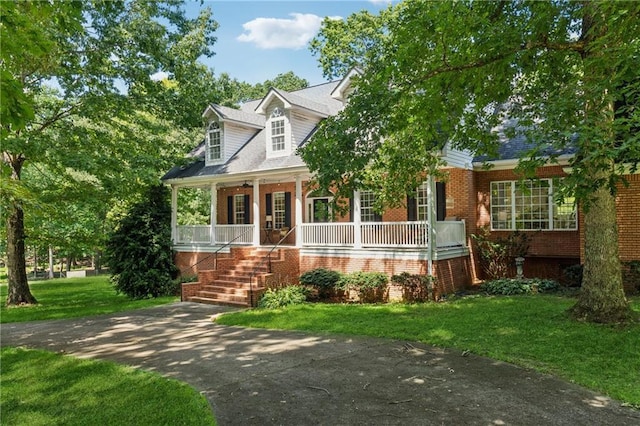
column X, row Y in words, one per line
column 573, row 275
column 497, row 255
column 631, row 275
column 139, row 250
column 369, row 285
column 291, row 295
column 325, row 280
column 511, row 286
column 416, row 287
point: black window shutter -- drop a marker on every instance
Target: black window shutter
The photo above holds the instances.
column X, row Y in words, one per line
column 441, row 201
column 230, row 209
column 377, row 217
column 267, row 204
column 412, row 208
column 287, row 209
column 247, row 209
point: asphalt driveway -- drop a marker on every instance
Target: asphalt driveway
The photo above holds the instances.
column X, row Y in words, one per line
column 264, row 377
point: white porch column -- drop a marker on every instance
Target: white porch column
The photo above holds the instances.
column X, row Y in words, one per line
column 256, row 212
column 174, row 214
column 214, row 212
column 357, row 228
column 298, row 220
column 431, row 223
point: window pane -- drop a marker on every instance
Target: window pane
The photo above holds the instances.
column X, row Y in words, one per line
column 421, row 201
column 277, row 135
column 238, row 208
column 214, row 141
column 278, row 209
column 532, row 205
column 501, row 208
column 367, row 213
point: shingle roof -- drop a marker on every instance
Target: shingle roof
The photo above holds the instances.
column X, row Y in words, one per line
column 238, row 115
column 252, row 155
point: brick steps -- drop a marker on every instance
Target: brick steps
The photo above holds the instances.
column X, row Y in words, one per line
column 233, row 287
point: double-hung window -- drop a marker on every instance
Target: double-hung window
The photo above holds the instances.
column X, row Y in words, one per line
column 277, row 130
column 279, row 208
column 530, row 206
column 422, row 202
column 367, row 213
column 238, row 208
column 214, row 141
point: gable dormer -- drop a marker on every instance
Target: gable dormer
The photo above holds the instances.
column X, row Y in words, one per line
column 289, row 120
column 226, row 131
column 345, row 87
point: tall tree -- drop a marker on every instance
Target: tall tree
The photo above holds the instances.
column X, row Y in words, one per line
column 438, row 71
column 100, row 56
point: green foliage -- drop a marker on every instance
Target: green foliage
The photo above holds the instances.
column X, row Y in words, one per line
column 285, row 296
column 370, row 286
column 139, row 250
column 573, row 275
column 416, row 287
column 497, row 255
column 512, row 286
column 558, row 75
column 362, row 280
column 323, row 279
column 92, row 392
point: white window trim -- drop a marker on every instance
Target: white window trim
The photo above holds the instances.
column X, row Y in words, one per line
column 512, row 205
column 238, row 207
column 279, row 215
column 278, row 114
column 369, row 208
column 220, row 131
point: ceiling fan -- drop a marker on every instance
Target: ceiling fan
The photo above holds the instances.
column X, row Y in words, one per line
column 247, row 185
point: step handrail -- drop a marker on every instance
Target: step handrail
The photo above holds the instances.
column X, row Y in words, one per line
column 267, row 258
column 215, row 253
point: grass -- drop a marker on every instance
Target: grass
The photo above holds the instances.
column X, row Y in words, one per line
column 72, row 298
column 531, row 331
column 43, row 388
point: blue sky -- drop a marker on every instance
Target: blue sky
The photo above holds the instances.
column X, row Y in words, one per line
column 257, row 40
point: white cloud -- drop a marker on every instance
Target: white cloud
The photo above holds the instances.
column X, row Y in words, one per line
column 274, row 33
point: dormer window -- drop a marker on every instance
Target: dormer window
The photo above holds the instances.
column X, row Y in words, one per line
column 214, row 142
column 277, row 130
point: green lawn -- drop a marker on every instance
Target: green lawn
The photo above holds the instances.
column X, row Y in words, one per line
column 531, row 331
column 43, row 388
column 71, row 298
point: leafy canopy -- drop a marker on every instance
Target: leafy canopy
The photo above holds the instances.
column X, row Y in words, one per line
column 457, row 72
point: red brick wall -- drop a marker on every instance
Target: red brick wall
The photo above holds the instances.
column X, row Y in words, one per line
column 628, row 211
column 452, row 274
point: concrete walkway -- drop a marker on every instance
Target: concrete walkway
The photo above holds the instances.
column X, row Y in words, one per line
column 262, row 377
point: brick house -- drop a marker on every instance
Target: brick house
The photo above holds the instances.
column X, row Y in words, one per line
column 265, row 225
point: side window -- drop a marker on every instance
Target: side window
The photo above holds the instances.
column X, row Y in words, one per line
column 277, row 130
column 214, row 141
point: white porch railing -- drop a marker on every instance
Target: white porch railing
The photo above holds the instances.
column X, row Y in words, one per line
column 228, row 233
column 338, row 234
column 199, row 234
column 327, row 234
column 193, row 234
column 394, row 234
column 384, row 234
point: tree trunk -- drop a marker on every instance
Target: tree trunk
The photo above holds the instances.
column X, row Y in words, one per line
column 602, row 296
column 18, row 288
